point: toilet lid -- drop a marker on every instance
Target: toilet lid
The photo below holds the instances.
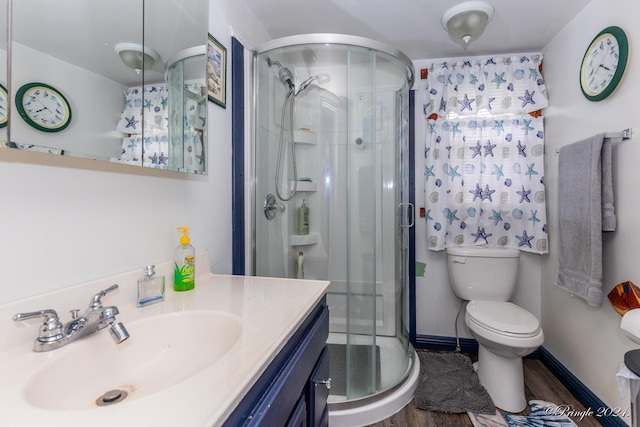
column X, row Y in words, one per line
column 503, row 317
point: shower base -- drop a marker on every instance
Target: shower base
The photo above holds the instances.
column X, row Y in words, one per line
column 369, row 410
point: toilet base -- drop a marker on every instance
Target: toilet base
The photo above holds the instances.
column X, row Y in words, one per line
column 503, row 378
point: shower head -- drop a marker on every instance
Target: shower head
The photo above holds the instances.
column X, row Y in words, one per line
column 284, row 74
column 320, row 79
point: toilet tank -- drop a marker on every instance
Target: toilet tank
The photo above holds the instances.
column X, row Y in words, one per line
column 479, row 273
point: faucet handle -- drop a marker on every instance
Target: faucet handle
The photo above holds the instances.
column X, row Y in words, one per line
column 95, row 300
column 51, row 330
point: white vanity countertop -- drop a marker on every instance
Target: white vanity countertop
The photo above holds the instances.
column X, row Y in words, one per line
column 270, row 311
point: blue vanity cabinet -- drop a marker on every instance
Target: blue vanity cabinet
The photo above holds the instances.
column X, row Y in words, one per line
column 291, row 392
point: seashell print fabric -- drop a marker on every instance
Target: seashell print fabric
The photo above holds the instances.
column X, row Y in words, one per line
column 483, row 171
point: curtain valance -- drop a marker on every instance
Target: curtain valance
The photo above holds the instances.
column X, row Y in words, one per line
column 498, row 85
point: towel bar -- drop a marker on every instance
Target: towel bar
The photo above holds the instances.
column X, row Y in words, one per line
column 625, row 134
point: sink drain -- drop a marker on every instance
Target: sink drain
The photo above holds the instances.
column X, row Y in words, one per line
column 111, row 397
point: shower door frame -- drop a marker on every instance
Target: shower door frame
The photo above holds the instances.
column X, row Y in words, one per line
column 242, row 82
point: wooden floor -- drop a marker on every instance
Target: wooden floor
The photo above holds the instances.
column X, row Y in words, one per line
column 540, row 384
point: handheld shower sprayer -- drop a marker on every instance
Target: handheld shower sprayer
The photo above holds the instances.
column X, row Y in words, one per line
column 284, row 74
column 286, row 77
column 320, row 79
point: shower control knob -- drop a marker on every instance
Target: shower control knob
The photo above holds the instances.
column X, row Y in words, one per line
column 327, row 383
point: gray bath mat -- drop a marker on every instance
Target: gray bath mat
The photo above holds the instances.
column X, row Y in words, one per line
column 448, row 383
column 361, row 363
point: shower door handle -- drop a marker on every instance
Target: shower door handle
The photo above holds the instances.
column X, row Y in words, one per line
column 412, row 216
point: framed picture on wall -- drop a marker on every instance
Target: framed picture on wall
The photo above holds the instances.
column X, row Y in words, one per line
column 216, row 72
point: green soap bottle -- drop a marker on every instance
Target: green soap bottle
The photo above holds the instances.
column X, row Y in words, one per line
column 185, row 264
column 303, row 218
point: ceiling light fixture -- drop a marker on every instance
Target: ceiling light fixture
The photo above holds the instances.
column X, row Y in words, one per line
column 137, row 56
column 466, row 22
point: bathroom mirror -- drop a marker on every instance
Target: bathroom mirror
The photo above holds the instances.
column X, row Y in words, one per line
column 85, row 61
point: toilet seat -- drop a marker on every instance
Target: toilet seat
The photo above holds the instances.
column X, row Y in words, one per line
column 504, row 318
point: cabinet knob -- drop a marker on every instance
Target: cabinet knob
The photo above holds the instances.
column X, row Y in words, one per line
column 327, row 383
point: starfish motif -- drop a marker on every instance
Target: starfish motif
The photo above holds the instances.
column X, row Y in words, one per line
column 527, row 98
column 497, row 171
column 147, row 104
column 453, row 172
column 428, row 171
column 530, row 171
column 164, row 102
column 488, row 148
column 486, row 193
column 524, row 239
column 498, row 80
column 132, row 144
column 527, row 126
column 476, row 193
column 466, row 103
column 521, row 149
column 498, row 125
column 524, row 195
column 474, row 79
column 496, row 217
column 163, row 159
column 534, row 217
column 131, row 122
column 432, row 127
column 491, row 99
column 154, row 159
column 481, row 235
column 456, row 129
column 428, row 217
column 451, row 215
column 477, row 150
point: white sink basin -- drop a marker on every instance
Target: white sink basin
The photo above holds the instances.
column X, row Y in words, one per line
column 162, row 351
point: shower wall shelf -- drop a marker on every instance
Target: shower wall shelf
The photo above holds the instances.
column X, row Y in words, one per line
column 304, row 186
column 303, row 240
column 304, row 137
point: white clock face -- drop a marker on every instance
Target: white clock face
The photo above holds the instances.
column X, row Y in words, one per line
column 601, row 64
column 45, row 108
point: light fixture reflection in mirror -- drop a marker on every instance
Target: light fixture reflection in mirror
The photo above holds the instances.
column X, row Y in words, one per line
column 137, row 56
column 466, row 22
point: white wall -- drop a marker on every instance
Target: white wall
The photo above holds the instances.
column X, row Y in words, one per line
column 96, row 105
column 67, row 221
column 588, row 341
column 436, row 304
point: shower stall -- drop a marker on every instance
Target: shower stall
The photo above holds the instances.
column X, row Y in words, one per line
column 332, row 134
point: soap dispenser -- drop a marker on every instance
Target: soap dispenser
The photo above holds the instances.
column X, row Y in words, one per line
column 185, row 264
column 150, row 287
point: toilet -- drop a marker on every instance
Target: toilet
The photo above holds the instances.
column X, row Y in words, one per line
column 486, row 279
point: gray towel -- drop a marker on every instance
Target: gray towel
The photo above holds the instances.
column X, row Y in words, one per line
column 585, row 211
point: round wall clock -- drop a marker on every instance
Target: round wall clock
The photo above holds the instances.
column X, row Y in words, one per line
column 604, row 63
column 43, row 107
column 4, row 101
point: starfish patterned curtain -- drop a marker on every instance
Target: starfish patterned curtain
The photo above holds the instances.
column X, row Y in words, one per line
column 484, row 154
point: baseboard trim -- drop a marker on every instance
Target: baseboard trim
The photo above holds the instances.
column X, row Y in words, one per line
column 467, row 345
column 597, row 408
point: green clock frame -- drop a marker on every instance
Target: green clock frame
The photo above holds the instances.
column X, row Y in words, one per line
column 27, row 118
column 623, row 55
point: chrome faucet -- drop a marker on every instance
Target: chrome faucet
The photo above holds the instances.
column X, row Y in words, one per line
column 54, row 334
